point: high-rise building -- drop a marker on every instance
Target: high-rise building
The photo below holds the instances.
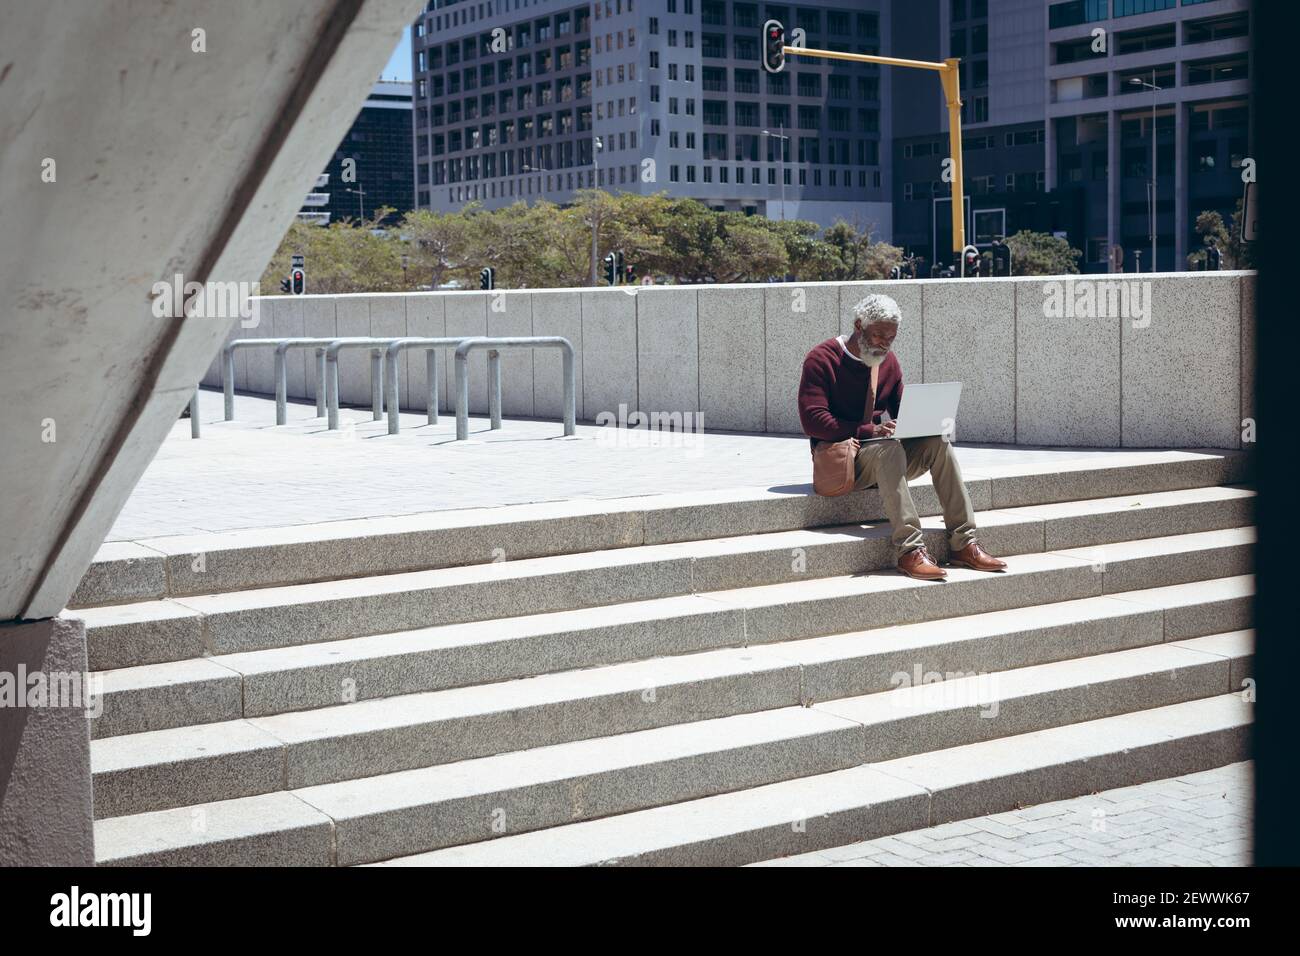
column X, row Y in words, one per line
column 372, row 166
column 525, row 100
column 1057, row 122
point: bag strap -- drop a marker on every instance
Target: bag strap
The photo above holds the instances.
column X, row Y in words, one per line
column 868, row 416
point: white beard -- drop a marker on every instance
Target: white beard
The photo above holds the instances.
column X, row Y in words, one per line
column 873, row 360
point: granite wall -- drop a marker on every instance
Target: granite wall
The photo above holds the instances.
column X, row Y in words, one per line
column 1106, row 361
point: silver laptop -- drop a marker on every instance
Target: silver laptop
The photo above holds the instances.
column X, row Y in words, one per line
column 926, row 409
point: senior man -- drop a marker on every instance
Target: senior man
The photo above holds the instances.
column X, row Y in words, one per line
column 833, row 406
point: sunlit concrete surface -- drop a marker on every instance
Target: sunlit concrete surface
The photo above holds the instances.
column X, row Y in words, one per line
column 249, row 473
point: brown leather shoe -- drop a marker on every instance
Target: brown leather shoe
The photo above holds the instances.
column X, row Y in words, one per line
column 976, row 558
column 918, row 564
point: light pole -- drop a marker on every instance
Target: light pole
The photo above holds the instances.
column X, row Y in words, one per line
column 597, row 146
column 361, row 198
column 1155, row 175
column 781, row 138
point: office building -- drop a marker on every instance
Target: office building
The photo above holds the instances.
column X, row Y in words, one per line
column 372, row 166
column 512, row 96
column 1057, row 133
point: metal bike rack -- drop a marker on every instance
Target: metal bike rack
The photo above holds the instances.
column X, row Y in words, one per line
column 430, row 346
column 376, row 347
column 384, row 352
column 282, row 375
column 494, row 345
column 228, row 368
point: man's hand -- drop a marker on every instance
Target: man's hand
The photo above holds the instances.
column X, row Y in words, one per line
column 885, row 430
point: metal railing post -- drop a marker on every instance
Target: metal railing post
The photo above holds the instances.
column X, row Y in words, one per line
column 332, row 391
column 281, row 386
column 390, row 384
column 431, row 377
column 570, row 391
column 462, row 394
column 376, row 384
column 494, row 388
column 228, row 380
column 320, row 383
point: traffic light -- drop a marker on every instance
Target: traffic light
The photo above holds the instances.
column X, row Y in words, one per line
column 1001, row 258
column 611, row 274
column 773, row 46
column 284, row 286
column 619, row 269
column 487, row 278
column 629, row 277
column 970, row 265
column 298, row 282
column 1213, row 259
column 896, row 273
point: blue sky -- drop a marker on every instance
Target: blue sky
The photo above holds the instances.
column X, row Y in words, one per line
column 399, row 64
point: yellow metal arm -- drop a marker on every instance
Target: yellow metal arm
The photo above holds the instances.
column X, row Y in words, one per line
column 949, row 73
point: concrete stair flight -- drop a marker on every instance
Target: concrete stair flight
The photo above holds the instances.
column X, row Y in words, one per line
column 714, row 678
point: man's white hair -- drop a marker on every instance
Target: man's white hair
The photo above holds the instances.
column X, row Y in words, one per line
column 877, row 308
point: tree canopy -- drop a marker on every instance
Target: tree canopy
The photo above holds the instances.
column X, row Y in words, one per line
column 544, row 245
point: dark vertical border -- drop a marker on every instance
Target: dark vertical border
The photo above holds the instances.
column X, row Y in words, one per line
column 1274, row 28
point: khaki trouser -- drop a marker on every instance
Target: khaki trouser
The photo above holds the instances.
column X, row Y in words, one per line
column 890, row 464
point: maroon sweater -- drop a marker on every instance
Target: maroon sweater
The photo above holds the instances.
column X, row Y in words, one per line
column 833, row 393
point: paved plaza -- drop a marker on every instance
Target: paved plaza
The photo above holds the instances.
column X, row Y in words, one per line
column 249, row 473
column 1199, row 819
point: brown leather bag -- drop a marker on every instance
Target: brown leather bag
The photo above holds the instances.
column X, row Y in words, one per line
column 834, row 471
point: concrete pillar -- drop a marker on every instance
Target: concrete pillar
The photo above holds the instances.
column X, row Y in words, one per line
column 46, row 816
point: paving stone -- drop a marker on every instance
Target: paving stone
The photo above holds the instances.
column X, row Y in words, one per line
column 1145, row 825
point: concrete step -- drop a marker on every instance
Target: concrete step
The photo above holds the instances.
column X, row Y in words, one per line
column 160, row 631
column 177, row 566
column 472, row 799
column 156, row 770
column 469, row 801
column 261, row 683
column 833, row 605
column 893, row 796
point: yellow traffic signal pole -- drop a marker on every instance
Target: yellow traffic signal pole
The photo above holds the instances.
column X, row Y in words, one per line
column 948, row 75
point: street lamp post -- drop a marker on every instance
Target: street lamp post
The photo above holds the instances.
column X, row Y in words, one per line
column 780, row 138
column 361, row 198
column 1155, row 155
column 597, row 146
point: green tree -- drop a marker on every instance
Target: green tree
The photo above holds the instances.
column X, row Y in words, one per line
column 1042, row 254
column 1236, row 253
column 438, row 244
column 860, row 257
column 341, row 257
